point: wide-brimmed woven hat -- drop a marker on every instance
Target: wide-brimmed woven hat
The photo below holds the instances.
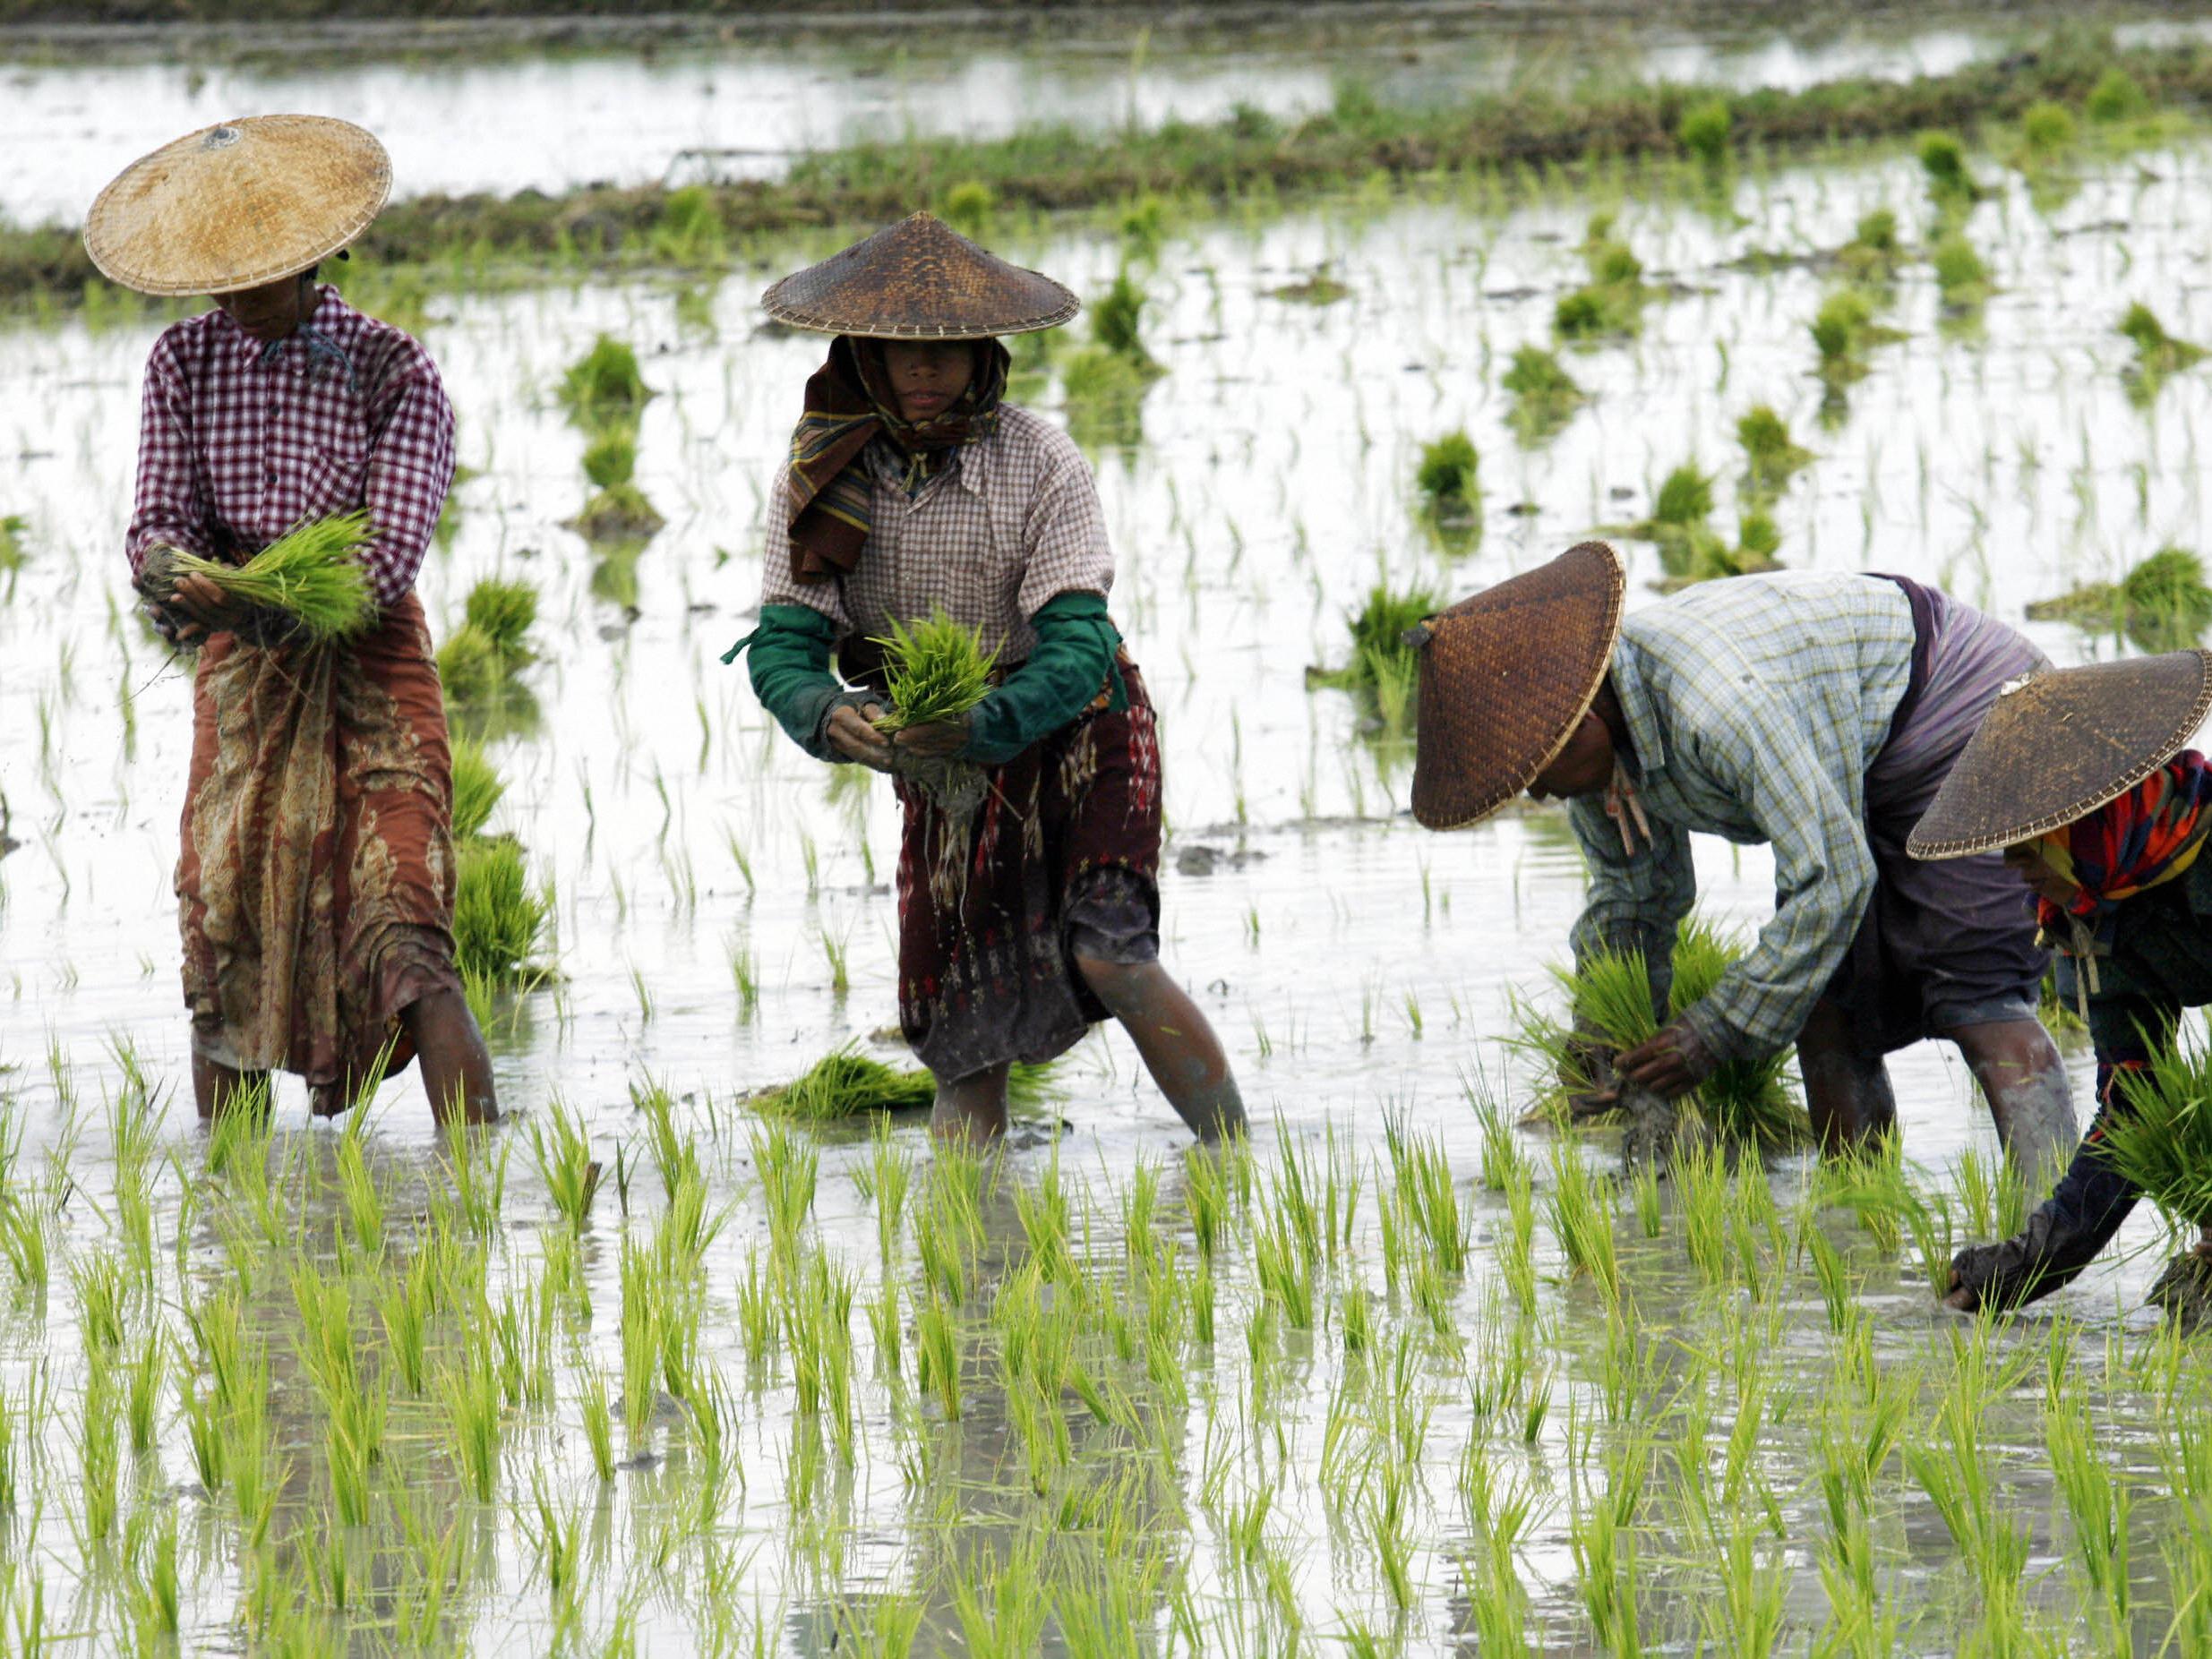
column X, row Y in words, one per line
column 238, row 204
column 2056, row 746
column 919, row 280
column 1506, row 678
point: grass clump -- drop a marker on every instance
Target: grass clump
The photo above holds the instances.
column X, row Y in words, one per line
column 498, row 922
column 1704, row 130
column 604, row 384
column 1545, row 395
column 935, row 671
column 848, row 1084
column 1747, row 1101
column 312, row 575
column 2163, row 603
column 1771, row 456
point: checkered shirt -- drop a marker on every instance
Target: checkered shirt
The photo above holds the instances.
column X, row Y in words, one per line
column 1754, row 706
column 1013, row 522
column 239, row 443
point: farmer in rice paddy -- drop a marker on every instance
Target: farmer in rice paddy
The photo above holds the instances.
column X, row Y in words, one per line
column 2080, row 777
column 1029, row 906
column 315, row 885
column 1816, row 712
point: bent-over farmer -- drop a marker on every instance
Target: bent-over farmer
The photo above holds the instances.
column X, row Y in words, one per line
column 1028, row 893
column 2080, row 777
column 1815, row 713
column 315, row 882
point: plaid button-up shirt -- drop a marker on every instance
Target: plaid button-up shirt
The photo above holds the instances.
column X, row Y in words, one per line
column 238, row 441
column 1012, row 523
column 1754, row 706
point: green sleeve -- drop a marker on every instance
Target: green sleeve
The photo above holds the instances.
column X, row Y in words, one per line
column 1074, row 658
column 791, row 674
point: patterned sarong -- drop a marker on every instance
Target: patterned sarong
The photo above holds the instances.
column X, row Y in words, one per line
column 315, row 882
column 1064, row 853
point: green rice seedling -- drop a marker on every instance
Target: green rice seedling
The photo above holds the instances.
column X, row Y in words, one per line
column 1448, row 475
column 312, row 575
column 621, row 519
column 152, row 1593
column 1871, row 254
column 2163, row 603
column 205, row 1432
column 2116, row 97
column 24, row 1224
column 889, row 1175
column 103, row 1300
column 1684, row 498
column 357, row 1186
column 1943, row 158
column 936, row 1355
column 1581, row 1218
column 967, row 207
column 1704, row 131
column 470, row 666
column 1425, row 1188
column 99, row 1455
column 505, row 610
column 604, row 384
column 470, row 1396
column 1117, row 319
column 142, row 1402
column 787, row 1168
column 1959, row 272
column 1104, row 392
column 934, row 670
column 1842, row 330
column 1643, row 1185
column 2156, row 352
column 556, row 1533
column 405, row 1312
column 641, row 1339
column 2046, row 128
column 1772, row 458
column 499, row 924
column 1545, row 395
column 2162, row 1141
column 478, row 787
column 1381, row 659
column 1839, row 1294
column 2098, row 1507
column 598, row 1423
column 561, row 1149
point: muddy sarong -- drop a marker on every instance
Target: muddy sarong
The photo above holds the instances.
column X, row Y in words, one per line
column 1062, row 855
column 315, row 882
column 1952, row 942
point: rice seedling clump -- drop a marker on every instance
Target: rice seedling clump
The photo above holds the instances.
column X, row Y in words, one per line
column 2163, row 1139
column 2163, row 603
column 312, row 576
column 935, row 669
column 604, row 383
column 1384, row 669
column 1704, row 131
column 1545, row 395
column 848, row 1084
column 2156, row 352
column 498, row 922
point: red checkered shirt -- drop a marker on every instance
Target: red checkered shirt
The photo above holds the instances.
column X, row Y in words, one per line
column 239, row 441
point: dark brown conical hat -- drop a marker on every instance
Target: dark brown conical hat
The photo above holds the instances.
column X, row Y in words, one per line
column 237, row 204
column 2056, row 746
column 1506, row 678
column 919, row 280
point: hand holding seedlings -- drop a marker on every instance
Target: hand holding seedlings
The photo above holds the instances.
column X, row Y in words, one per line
column 205, row 608
column 940, row 739
column 853, row 733
column 1672, row 1063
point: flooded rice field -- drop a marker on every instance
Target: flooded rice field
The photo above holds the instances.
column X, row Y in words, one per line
column 646, row 1369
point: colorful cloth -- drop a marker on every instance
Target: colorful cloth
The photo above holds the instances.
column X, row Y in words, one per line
column 1010, row 523
column 315, row 885
column 1062, row 856
column 2144, row 838
column 849, row 405
column 240, row 440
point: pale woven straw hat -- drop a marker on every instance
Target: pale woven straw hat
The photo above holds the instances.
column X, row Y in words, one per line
column 919, row 280
column 1506, row 676
column 238, row 204
column 2056, row 746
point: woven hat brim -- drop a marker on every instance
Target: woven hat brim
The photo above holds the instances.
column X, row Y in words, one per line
column 238, row 204
column 2037, row 733
column 1506, row 677
column 920, row 280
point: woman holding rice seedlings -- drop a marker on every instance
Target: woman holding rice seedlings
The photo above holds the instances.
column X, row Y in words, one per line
column 315, row 885
column 1817, row 712
column 2079, row 776
column 943, row 543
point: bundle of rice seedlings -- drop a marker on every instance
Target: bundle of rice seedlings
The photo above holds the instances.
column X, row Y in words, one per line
column 967, row 207
column 1116, row 317
column 2163, row 1142
column 2163, row 603
column 1704, row 131
column 470, row 666
column 846, row 1082
column 1447, row 477
column 478, row 787
column 1684, row 498
column 692, row 230
column 498, row 922
column 604, row 383
column 2156, row 352
column 1749, row 1102
column 312, row 575
column 610, row 457
column 1104, row 395
column 620, row 513
column 934, row 670
column 1943, row 158
column 2046, row 128
column 1545, row 395
column 1959, row 272
column 1384, row 669
column 1872, row 251
column 1771, row 456
column 505, row 611
column 2117, row 96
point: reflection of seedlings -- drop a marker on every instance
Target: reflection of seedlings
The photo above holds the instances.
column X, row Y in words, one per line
column 1385, row 671
column 1105, row 381
column 1772, row 458
column 2162, row 605
column 1545, row 395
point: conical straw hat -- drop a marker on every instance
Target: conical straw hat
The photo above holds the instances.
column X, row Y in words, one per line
column 2056, row 746
column 239, row 204
column 919, row 280
column 1506, row 676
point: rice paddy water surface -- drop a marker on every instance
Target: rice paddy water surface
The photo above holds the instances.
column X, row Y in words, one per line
column 1407, row 1378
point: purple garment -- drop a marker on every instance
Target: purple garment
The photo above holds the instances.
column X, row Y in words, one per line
column 1949, row 943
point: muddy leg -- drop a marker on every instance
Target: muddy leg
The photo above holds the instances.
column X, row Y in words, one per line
column 220, row 1088
column 456, row 1068
column 2017, row 1065
column 1177, row 1044
column 1846, row 1090
column 970, row 1110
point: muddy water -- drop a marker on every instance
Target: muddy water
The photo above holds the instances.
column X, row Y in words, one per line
column 1355, row 965
column 743, row 109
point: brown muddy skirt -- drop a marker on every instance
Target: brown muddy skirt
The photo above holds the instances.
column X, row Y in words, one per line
column 1063, row 854
column 315, row 883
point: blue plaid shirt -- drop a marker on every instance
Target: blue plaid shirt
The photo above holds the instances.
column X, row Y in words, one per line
column 1754, row 706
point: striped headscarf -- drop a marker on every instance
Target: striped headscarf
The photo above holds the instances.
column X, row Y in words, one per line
column 849, row 403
